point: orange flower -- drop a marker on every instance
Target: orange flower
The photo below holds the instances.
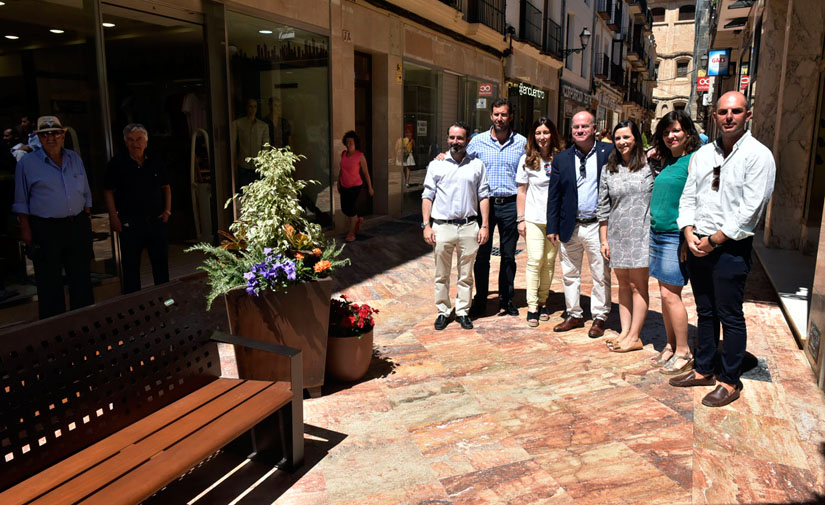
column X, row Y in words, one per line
column 316, row 251
column 322, row 265
column 299, row 256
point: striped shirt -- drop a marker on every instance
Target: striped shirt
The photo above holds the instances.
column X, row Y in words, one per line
column 501, row 160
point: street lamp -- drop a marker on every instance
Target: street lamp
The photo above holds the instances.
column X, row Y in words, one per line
column 584, row 37
column 703, row 60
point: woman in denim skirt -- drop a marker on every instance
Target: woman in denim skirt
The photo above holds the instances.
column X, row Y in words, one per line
column 675, row 140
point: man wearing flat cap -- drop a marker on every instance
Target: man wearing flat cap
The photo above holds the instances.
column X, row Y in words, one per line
column 53, row 202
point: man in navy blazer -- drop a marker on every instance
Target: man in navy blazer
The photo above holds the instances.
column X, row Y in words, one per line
column 572, row 199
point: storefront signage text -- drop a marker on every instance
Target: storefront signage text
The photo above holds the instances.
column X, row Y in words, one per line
column 719, row 62
column 576, row 95
column 703, row 84
column 525, row 89
column 485, row 89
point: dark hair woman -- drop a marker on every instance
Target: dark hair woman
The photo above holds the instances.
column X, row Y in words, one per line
column 351, row 179
column 624, row 225
column 533, row 178
column 674, row 141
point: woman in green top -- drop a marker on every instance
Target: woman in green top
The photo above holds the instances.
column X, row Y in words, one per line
column 673, row 143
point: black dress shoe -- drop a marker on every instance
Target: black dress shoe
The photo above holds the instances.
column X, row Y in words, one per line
column 508, row 308
column 441, row 322
column 720, row 396
column 465, row 322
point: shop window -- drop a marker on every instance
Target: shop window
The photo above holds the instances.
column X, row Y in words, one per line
column 687, row 13
column 279, row 75
column 682, row 68
column 658, row 14
column 679, row 106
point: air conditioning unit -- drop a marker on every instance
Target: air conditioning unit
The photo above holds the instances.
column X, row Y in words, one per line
column 621, row 37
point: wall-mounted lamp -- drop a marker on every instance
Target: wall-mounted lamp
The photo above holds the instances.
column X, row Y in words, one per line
column 510, row 30
column 703, row 60
column 584, row 37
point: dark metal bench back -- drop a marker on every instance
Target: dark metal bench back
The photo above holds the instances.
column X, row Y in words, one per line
column 72, row 380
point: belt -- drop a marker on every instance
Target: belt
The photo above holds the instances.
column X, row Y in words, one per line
column 500, row 200
column 587, row 220
column 67, row 219
column 455, row 221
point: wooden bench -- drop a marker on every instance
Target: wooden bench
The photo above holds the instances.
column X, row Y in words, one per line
column 110, row 403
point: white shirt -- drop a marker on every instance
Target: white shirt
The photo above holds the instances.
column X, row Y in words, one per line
column 537, row 180
column 250, row 135
column 746, row 180
column 455, row 188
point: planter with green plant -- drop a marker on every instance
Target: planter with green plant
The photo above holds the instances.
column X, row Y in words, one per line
column 273, row 269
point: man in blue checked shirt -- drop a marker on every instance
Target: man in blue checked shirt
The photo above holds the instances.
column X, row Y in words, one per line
column 500, row 149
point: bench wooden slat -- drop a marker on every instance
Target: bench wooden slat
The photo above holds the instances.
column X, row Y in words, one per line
column 136, row 454
column 48, row 479
column 166, row 466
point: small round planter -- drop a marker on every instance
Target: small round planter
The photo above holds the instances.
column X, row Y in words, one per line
column 348, row 358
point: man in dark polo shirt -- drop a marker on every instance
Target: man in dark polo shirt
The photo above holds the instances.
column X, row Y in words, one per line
column 139, row 200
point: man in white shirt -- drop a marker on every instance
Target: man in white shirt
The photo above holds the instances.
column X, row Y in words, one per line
column 454, row 189
column 248, row 136
column 729, row 184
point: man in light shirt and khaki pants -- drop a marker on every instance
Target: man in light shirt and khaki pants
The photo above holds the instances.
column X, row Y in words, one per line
column 455, row 191
column 729, row 184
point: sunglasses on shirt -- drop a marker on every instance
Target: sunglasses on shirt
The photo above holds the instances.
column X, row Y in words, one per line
column 716, row 172
column 583, row 168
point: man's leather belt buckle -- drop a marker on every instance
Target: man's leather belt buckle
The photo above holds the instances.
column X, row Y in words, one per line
column 453, row 221
column 501, row 200
column 586, row 220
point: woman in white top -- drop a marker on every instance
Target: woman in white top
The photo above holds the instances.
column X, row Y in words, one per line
column 533, row 178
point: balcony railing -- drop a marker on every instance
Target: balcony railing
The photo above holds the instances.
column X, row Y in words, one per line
column 530, row 23
column 616, row 75
column 605, row 8
column 552, row 39
column 601, row 67
column 455, row 4
column 487, row 12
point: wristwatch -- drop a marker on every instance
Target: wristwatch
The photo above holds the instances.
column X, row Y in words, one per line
column 425, row 224
column 712, row 243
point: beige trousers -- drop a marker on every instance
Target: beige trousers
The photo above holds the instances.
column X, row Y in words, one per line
column 463, row 239
column 585, row 240
column 541, row 262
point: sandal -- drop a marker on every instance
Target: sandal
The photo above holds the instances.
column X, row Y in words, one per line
column 670, row 368
column 544, row 315
column 660, row 359
column 350, row 238
column 358, row 224
column 637, row 346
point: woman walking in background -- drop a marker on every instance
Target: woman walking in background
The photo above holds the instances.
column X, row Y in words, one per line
column 351, row 179
column 624, row 224
column 674, row 141
column 533, row 178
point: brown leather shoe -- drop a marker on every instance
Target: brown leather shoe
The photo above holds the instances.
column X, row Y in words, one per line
column 720, row 396
column 569, row 323
column 596, row 329
column 690, row 380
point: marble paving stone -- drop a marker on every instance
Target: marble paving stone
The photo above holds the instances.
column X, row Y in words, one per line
column 520, row 483
column 466, row 445
column 669, row 449
column 431, row 493
column 768, row 438
column 431, row 402
column 718, row 478
column 610, row 473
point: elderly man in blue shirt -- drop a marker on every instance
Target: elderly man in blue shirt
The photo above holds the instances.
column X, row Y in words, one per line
column 53, row 201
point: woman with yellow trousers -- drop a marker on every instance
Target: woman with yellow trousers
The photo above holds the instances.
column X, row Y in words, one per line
column 533, row 178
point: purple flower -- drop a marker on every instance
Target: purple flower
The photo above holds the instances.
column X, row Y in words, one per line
column 267, row 250
column 249, row 276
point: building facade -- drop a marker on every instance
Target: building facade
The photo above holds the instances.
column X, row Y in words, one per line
column 674, row 29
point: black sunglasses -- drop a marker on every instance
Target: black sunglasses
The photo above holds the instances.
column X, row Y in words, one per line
column 715, row 184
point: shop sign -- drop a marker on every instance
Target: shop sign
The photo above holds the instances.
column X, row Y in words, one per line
column 608, row 101
column 485, row 89
column 575, row 95
column 481, row 103
column 422, row 128
column 719, row 62
column 703, row 84
column 526, row 89
column 744, row 81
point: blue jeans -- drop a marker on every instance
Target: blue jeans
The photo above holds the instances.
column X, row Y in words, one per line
column 718, row 282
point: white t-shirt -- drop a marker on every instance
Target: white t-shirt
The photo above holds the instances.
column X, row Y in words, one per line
column 535, row 207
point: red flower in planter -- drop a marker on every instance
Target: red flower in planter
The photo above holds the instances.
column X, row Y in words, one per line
column 348, row 319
